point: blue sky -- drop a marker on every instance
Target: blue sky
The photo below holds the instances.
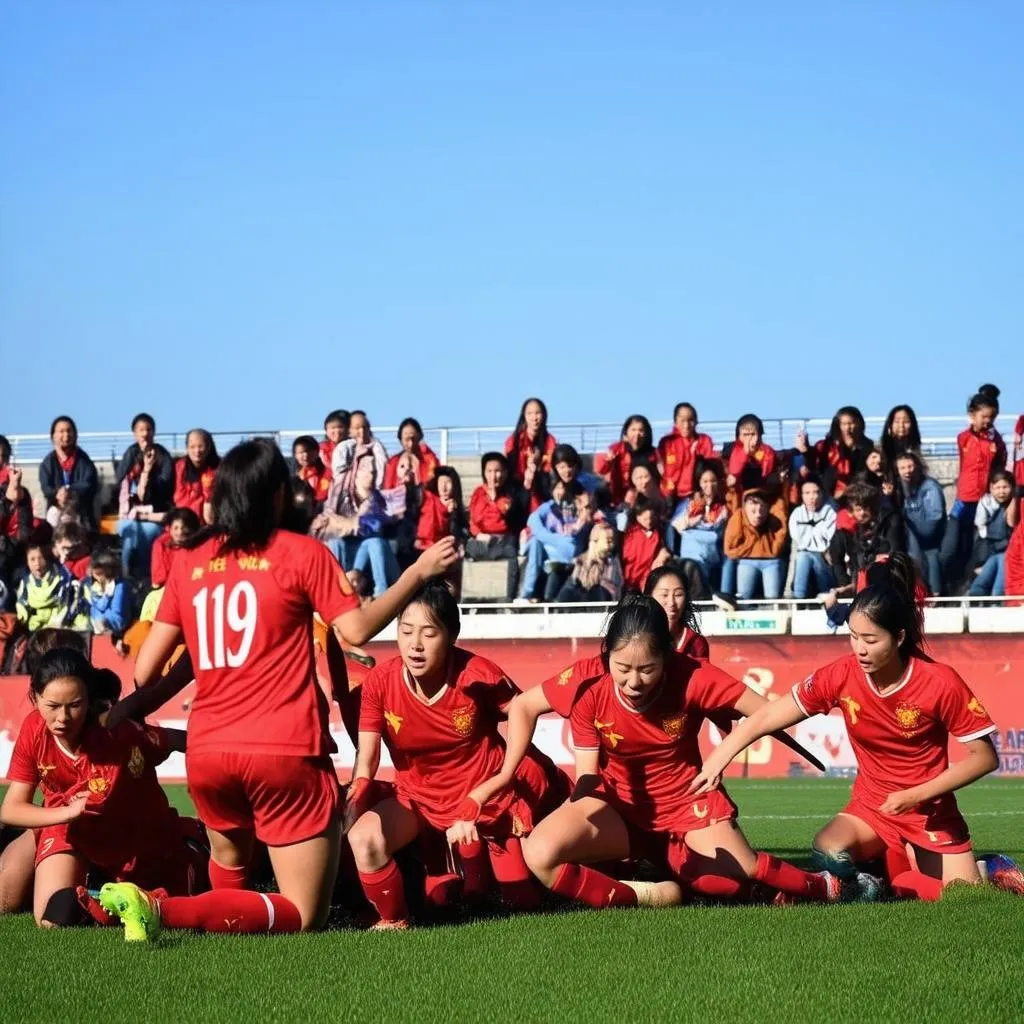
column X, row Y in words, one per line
column 241, row 215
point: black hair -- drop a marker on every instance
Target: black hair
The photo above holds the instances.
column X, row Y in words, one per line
column 436, row 596
column 910, row 453
column 107, row 563
column 492, row 457
column 452, row 475
column 641, row 505
column 833, row 436
column 249, row 482
column 811, row 478
column 48, row 639
column 212, row 458
column 708, row 466
column 890, row 602
column 1002, row 474
column 750, row 420
column 5, row 449
column 893, row 447
column 865, row 495
column 987, row 396
column 409, row 421
column 688, row 616
column 143, row 417
column 182, row 515
column 106, row 686
column 337, row 416
column 647, row 443
column 684, row 405
column 71, row 531
column 59, row 662
column 573, row 488
column 301, row 511
column 649, row 466
column 637, row 615
column 62, row 419
column 359, row 412
column 566, row 453
column 311, row 445
column 34, row 544
column 540, row 442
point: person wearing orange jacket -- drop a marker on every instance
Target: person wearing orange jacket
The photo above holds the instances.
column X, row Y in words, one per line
column 755, row 539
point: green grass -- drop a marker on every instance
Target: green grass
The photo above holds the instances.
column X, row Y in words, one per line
column 953, row 961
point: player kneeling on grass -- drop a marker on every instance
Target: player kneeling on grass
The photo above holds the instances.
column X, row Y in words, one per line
column 901, row 708
column 437, row 708
column 635, row 732
column 103, row 807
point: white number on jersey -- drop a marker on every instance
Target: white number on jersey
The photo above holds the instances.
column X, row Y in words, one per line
column 238, row 613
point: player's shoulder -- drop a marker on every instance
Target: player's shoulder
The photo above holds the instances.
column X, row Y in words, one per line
column 474, row 668
column 33, row 728
column 384, row 673
column 582, row 670
column 934, row 674
column 842, row 669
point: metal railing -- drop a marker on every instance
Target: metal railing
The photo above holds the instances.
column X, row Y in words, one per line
column 938, row 434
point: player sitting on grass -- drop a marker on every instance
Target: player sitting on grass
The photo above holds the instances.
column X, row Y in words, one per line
column 901, row 708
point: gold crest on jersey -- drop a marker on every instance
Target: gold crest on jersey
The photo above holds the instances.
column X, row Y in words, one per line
column 463, row 718
column 136, row 763
column 976, row 707
column 673, row 726
column 98, row 784
column 908, row 718
column 564, row 678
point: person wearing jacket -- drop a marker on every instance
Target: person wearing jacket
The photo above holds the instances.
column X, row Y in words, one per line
column 48, row 595
column 843, row 452
column 633, row 448
column 994, row 521
column 812, row 525
column 424, row 463
column 755, row 539
column 108, row 597
column 696, row 531
column 559, row 530
column 924, row 517
column 681, row 453
column 873, row 532
column 68, row 470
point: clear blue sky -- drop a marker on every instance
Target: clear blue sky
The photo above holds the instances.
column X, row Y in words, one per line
column 241, row 215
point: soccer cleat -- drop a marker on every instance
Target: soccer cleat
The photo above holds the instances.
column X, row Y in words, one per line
column 1004, row 873
column 656, row 894
column 839, row 864
column 137, row 911
column 835, row 886
column 864, row 889
column 389, row 926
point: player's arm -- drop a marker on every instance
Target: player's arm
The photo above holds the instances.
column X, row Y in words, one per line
column 358, row 626
column 523, row 713
column 361, row 796
column 588, row 775
column 980, row 760
column 770, row 717
column 151, row 694
column 19, row 810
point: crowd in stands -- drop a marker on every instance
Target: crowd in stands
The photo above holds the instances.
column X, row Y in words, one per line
column 745, row 522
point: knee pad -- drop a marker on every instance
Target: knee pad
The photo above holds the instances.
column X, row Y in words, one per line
column 64, row 910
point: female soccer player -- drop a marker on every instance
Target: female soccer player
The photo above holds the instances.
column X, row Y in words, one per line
column 635, row 732
column 437, row 707
column 243, row 594
column 667, row 585
column 900, row 709
column 102, row 804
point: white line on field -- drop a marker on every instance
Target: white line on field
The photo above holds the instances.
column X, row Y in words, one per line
column 820, row 817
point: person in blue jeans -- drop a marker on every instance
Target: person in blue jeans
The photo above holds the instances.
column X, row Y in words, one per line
column 755, row 539
column 697, row 528
column 924, row 516
column 811, row 526
column 994, row 521
column 559, row 530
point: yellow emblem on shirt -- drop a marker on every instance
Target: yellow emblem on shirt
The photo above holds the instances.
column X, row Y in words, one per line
column 395, row 721
column 852, row 708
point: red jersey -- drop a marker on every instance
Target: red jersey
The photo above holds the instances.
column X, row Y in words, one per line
column 1018, row 463
column 617, row 465
column 319, row 481
column 127, row 816
column 979, row 455
column 901, row 738
column 649, row 756
column 562, row 691
column 519, row 456
column 638, row 550
column 435, row 521
column 442, row 749
column 693, row 644
column 79, row 566
column 161, row 559
column 327, row 452
column 487, row 516
column 192, row 493
column 751, row 470
column 248, row 625
column 426, row 467
column 678, row 457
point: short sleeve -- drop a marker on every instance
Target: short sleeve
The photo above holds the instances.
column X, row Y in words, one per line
column 326, row 584
column 488, row 685
column 155, row 743
column 699, row 648
column 371, row 714
column 169, row 609
column 23, row 766
column 584, row 732
column 563, row 691
column 817, row 694
column 711, row 689
column 960, row 711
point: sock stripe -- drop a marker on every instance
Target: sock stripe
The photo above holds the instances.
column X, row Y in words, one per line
column 270, row 911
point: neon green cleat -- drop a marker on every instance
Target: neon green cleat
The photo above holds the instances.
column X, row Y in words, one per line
column 137, row 911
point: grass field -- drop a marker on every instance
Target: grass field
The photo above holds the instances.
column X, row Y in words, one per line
column 957, row 960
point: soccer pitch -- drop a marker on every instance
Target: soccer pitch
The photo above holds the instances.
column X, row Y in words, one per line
column 960, row 959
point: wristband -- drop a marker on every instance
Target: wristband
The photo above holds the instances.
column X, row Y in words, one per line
column 469, row 810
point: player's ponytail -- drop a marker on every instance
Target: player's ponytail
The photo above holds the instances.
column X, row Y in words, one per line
column 890, row 601
column 987, row 397
column 637, row 616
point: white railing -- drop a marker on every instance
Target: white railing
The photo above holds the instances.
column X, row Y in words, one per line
column 938, row 434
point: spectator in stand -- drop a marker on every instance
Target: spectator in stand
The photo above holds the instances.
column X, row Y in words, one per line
column 194, row 474
column 597, row 573
column 559, row 531
column 697, row 531
column 749, row 462
column 755, row 539
column 71, row 549
column 442, row 513
column 529, row 450
column 48, row 595
column 179, row 525
column 643, row 549
column 424, row 463
column 981, row 451
column 145, row 487
column 900, row 433
column 812, row 525
column 680, row 453
column 635, row 446
column 69, row 472
column 873, row 532
column 645, row 480
column 354, row 531
column 108, row 597
column 335, row 431
column 994, row 521
column 496, row 513
column 1013, row 564
column 359, row 442
column 17, row 521
column 311, row 470
column 843, row 452
column 923, row 505
column 1017, row 459
column 566, row 465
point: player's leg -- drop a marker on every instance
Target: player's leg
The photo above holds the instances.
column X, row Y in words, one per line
column 374, row 839
column 930, row 872
column 230, row 857
column 846, row 841
column 17, row 869
column 59, row 873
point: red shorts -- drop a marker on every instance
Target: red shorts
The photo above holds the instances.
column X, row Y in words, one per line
column 937, row 826
column 281, row 798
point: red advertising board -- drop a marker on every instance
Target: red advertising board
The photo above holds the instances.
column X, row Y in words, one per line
column 992, row 665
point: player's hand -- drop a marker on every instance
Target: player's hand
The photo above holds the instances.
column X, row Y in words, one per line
column 709, row 779
column 359, row 798
column 438, row 558
column 488, row 790
column 462, row 832
column 76, row 805
column 900, row 802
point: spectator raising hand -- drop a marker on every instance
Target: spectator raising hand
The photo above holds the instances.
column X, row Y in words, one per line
column 418, row 464
column 749, row 462
column 529, row 450
column 680, row 452
column 633, row 447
